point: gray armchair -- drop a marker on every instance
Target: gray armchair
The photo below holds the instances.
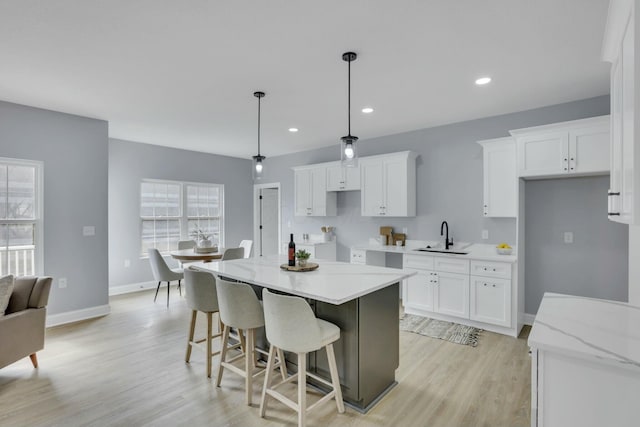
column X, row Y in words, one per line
column 22, row 326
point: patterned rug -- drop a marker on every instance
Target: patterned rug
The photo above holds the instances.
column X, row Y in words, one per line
column 448, row 331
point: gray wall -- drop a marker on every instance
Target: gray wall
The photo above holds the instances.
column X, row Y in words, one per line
column 74, row 152
column 449, row 176
column 595, row 265
column 130, row 162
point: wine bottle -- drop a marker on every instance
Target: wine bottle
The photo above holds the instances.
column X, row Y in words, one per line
column 292, row 252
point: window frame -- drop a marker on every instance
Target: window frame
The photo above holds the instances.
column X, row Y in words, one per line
column 38, row 220
column 184, row 218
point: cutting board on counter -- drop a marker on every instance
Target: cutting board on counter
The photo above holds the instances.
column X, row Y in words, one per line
column 387, row 231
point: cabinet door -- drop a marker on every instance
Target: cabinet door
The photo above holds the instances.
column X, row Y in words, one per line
column 371, row 180
column 335, row 178
column 351, row 178
column 616, row 161
column 627, row 203
column 491, row 301
column 309, row 248
column 544, row 154
column 319, row 192
column 452, row 294
column 589, row 149
column 395, row 188
column 418, row 292
column 500, row 180
column 302, row 184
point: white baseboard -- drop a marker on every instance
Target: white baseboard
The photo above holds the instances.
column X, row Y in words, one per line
column 77, row 315
column 133, row 287
column 528, row 318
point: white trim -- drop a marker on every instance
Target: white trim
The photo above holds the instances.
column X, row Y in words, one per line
column 77, row 315
column 132, row 287
column 256, row 220
column 528, row 318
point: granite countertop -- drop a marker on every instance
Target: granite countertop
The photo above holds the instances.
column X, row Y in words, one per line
column 591, row 328
column 477, row 251
column 334, row 282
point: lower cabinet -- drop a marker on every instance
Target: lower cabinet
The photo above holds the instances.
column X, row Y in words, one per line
column 491, row 300
column 451, row 296
column 419, row 290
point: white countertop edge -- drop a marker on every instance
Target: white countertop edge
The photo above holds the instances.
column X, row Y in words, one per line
column 471, row 255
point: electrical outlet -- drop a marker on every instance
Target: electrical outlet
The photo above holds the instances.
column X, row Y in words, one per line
column 89, row 230
column 127, row 263
column 405, row 230
column 62, row 282
column 485, row 234
column 568, row 237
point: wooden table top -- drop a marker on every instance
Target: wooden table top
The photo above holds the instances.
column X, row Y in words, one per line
column 192, row 255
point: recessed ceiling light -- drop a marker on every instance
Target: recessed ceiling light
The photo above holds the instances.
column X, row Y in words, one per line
column 293, row 130
column 483, row 81
column 367, row 110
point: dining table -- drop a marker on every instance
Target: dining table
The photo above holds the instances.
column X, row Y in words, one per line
column 190, row 255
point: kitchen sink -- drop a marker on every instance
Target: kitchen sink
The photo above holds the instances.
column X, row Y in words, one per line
column 456, row 249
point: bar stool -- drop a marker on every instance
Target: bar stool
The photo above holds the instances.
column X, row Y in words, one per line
column 240, row 308
column 202, row 296
column 291, row 326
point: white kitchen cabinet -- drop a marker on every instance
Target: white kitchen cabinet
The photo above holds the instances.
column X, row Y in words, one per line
column 419, row 289
column 319, row 250
column 490, row 300
column 451, row 294
column 579, row 148
column 388, row 184
column 500, row 180
column 310, row 193
column 622, row 50
column 341, row 178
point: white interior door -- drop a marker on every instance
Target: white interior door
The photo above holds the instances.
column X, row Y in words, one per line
column 266, row 219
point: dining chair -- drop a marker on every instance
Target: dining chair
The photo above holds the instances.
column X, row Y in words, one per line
column 185, row 244
column 233, row 253
column 162, row 273
column 247, row 245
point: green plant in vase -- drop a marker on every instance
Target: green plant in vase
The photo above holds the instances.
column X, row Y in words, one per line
column 302, row 256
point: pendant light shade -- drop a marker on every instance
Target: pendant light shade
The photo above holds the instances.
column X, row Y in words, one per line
column 258, row 165
column 348, row 146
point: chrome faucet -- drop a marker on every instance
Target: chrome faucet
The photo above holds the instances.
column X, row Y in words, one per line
column 447, row 243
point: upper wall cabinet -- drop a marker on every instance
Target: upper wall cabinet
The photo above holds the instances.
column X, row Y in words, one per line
column 388, row 184
column 340, row 178
column 311, row 196
column 579, row 147
column 622, row 49
column 500, row 180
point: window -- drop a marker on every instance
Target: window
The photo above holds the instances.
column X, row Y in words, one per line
column 20, row 218
column 171, row 211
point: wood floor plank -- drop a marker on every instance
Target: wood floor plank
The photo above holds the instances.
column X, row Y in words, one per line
column 128, row 369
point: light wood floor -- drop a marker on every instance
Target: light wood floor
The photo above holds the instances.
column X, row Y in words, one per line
column 128, row 369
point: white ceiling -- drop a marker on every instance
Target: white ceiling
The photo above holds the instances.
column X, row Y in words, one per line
column 182, row 73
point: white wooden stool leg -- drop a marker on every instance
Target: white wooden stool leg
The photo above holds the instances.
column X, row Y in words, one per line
column 302, row 389
column 223, row 353
column 335, row 379
column 248, row 365
column 267, row 379
column 283, row 364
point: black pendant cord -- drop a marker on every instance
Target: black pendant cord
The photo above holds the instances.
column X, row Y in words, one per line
column 349, row 96
column 259, row 126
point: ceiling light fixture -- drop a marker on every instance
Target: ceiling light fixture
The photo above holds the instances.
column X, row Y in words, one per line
column 367, row 110
column 349, row 154
column 257, row 160
column 293, row 130
column 483, row 81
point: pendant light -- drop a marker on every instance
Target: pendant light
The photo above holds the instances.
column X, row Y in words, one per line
column 348, row 149
column 257, row 160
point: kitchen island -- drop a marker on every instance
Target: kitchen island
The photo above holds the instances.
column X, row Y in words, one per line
column 362, row 300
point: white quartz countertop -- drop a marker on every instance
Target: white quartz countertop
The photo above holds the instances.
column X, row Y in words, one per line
column 588, row 328
column 476, row 251
column 333, row 282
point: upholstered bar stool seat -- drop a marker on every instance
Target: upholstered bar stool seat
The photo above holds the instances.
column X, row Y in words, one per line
column 291, row 326
column 240, row 308
column 202, row 296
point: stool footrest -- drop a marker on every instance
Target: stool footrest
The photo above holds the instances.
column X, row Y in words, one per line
column 283, row 399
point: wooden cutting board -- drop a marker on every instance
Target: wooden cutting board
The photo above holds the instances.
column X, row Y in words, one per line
column 309, row 267
column 387, row 231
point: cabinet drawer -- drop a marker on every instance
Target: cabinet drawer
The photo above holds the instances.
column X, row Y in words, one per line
column 418, row 261
column 451, row 265
column 491, row 269
column 358, row 256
